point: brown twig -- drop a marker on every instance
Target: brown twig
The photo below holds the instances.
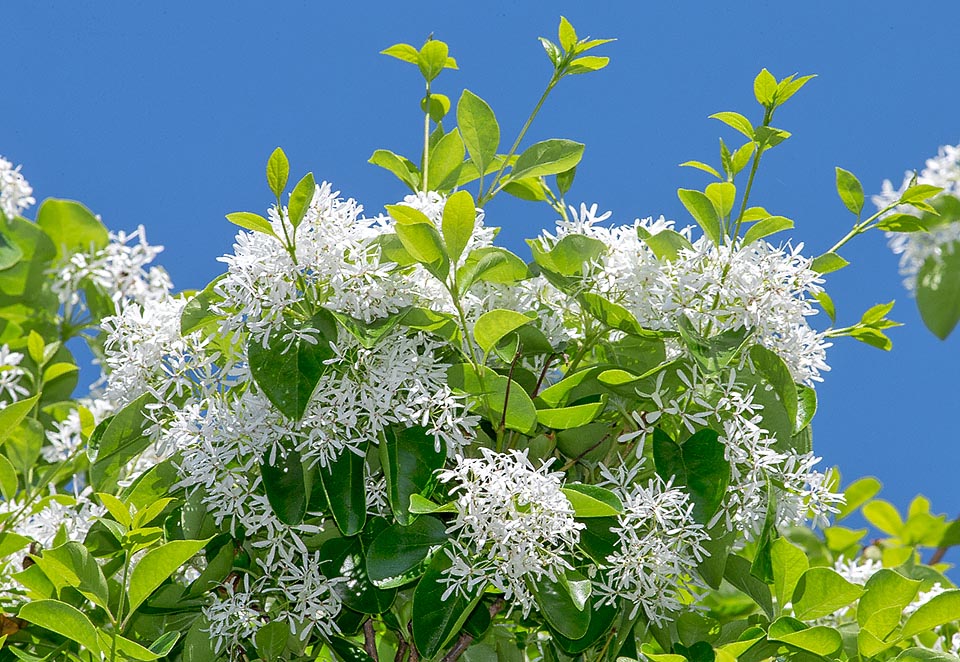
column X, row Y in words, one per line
column 370, row 640
column 465, row 639
column 543, row 375
column 414, row 655
column 401, row 650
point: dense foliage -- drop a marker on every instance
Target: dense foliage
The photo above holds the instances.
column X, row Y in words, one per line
column 385, row 437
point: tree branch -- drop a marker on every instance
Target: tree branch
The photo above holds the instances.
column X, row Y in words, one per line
column 370, row 640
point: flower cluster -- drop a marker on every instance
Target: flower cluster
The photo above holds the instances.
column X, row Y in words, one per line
column 513, row 524
column 11, row 374
column 16, row 195
column 915, row 248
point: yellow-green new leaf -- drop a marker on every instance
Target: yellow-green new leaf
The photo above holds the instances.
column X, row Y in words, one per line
column 157, row 566
column 63, row 619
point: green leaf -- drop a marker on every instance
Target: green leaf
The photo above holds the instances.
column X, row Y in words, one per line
column 423, row 242
column 559, row 609
column 72, row 565
column 767, row 227
column 828, row 262
column 716, row 352
column 698, row 465
column 435, row 618
column 776, row 373
column 565, row 180
column 764, row 88
column 491, row 264
column 278, row 170
column 548, row 157
column 901, row 223
column 819, row 639
column 884, row 516
column 13, row 414
column 399, row 551
column 492, row 391
column 157, row 565
column 252, row 222
column 703, row 212
column 820, row 592
column 409, row 457
column 72, row 227
column 63, row 619
column 592, row 501
column 736, row 121
column 446, row 159
column 564, row 418
column 342, row 480
column 789, row 86
column 856, row 494
column 344, row 557
column 789, row 563
column 436, row 105
column 403, row 52
column 881, row 606
column 404, row 169
column 587, row 63
column 116, row 441
column 494, row 325
column 941, row 609
column 722, row 195
column 459, row 218
column 919, row 193
column 615, row 316
column 479, row 129
column 8, row 480
column 531, row 189
column 10, row 251
column 420, row 505
column 284, row 483
column 432, row 58
column 938, row 290
column 739, row 573
column 741, row 157
column 300, row 199
column 566, row 34
column 700, row 165
column 271, row 640
column 197, row 313
column 850, row 191
column 287, row 372
column 667, row 244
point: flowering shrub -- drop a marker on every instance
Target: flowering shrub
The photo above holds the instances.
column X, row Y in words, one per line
column 386, row 437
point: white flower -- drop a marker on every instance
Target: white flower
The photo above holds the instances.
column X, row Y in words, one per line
column 915, row 248
column 11, row 375
column 234, row 617
column 857, row 571
column 660, row 547
column 15, row 193
column 923, row 597
column 513, row 524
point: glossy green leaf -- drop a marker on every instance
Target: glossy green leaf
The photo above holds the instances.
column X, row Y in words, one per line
column 764, row 88
column 735, row 121
column 564, row 418
column 901, row 223
column 446, row 159
column 300, row 199
column 65, row 620
column 436, row 618
column 399, row 550
column 479, row 128
column 828, row 263
column 698, row 465
column 116, row 441
column 592, row 501
column 492, row 264
column 494, row 325
column 722, row 195
column 432, row 58
column 403, row 52
column 345, row 557
column 10, row 251
column 821, row 591
column 767, row 227
column 789, row 563
column 342, row 480
column 426, row 246
column 72, row 565
column 548, row 157
column 72, row 227
column 939, row 610
column 409, row 457
column 667, row 244
column 278, row 171
column 252, row 222
column 559, row 608
column 288, row 371
column 850, row 191
column 459, row 217
column 856, row 494
column 739, row 573
column 271, row 640
column 13, row 414
column 884, row 516
column 158, row 565
column 819, row 639
column 938, row 290
column 494, row 392
column 403, row 168
column 285, row 485
column 881, row 606
column 703, row 212
column 8, row 479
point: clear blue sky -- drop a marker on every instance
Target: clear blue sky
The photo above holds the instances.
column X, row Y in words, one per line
column 164, row 114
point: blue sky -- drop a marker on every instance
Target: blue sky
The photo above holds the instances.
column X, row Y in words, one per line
column 164, row 113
